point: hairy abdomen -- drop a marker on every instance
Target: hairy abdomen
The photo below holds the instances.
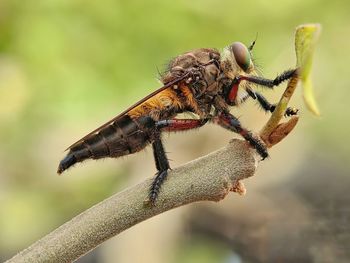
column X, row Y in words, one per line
column 121, row 137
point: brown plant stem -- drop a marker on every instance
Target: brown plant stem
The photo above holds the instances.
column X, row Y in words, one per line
column 209, row 178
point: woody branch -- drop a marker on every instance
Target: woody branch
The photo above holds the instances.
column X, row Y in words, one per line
column 209, row 178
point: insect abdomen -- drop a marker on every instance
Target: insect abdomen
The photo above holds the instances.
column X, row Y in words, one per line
column 123, row 136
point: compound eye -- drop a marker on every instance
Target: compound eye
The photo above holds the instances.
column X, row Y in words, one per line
column 242, row 55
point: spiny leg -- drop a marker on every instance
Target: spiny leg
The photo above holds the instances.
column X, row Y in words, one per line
column 270, row 83
column 162, row 163
column 267, row 106
column 230, row 122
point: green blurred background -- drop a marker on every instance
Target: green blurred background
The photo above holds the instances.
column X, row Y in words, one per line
column 67, row 66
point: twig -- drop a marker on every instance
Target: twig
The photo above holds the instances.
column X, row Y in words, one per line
column 209, row 178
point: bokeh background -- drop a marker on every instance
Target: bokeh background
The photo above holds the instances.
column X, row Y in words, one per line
column 67, row 66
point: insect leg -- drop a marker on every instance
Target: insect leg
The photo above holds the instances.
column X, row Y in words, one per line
column 270, row 83
column 230, row 122
column 267, row 106
column 180, row 124
column 162, row 165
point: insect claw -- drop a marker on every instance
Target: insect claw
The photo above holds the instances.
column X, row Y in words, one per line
column 291, row 112
column 148, row 203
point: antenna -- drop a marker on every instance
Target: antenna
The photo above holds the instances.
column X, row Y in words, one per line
column 250, row 48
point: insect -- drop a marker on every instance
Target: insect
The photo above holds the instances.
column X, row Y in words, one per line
column 202, row 81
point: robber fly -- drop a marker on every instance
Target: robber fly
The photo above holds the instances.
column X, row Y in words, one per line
column 203, row 82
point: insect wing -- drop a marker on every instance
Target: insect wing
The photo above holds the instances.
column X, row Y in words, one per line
column 167, row 85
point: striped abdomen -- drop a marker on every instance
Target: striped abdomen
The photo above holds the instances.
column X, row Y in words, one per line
column 121, row 137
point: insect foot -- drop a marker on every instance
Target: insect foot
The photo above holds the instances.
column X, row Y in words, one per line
column 155, row 188
column 258, row 145
column 291, row 111
column 262, row 150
